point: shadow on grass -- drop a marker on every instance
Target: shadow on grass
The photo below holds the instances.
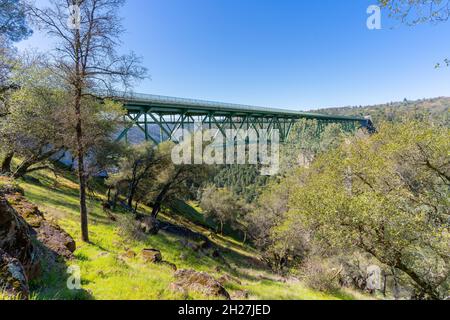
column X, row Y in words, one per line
column 62, row 197
column 53, row 283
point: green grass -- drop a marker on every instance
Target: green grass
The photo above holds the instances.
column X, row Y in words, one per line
column 106, row 274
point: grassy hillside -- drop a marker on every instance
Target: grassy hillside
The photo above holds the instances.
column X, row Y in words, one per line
column 107, row 272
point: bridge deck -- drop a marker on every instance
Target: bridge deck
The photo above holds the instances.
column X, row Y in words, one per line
column 171, row 114
column 174, row 105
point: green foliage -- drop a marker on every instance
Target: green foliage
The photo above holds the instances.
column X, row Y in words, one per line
column 40, row 122
column 243, row 180
column 222, row 206
column 13, row 24
column 435, row 110
column 387, row 195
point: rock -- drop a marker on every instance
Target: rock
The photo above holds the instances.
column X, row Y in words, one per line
column 56, row 239
column 16, row 240
column 171, row 265
column 200, row 282
column 59, row 242
column 177, row 288
column 226, row 278
column 9, row 187
column 240, row 295
column 130, row 254
column 152, row 255
column 28, row 211
column 13, row 279
column 149, row 225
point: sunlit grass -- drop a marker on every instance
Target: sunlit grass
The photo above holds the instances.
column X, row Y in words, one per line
column 107, row 274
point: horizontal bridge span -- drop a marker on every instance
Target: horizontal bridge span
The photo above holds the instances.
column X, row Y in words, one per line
column 173, row 105
column 170, row 114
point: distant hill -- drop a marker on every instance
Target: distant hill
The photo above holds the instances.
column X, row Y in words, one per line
column 435, row 109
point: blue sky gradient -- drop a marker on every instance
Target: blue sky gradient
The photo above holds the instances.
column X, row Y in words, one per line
column 293, row 54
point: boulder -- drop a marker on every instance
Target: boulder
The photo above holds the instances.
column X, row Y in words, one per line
column 201, row 282
column 56, row 239
column 240, row 295
column 13, row 279
column 59, row 242
column 226, row 278
column 130, row 254
column 149, row 225
column 152, row 255
column 171, row 265
column 16, row 239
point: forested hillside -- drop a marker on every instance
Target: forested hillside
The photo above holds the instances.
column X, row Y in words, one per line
column 436, row 109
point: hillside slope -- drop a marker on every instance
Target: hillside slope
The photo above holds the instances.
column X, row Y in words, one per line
column 436, row 109
column 112, row 266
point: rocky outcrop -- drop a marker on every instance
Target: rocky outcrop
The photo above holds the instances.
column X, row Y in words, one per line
column 148, row 224
column 53, row 237
column 13, row 279
column 16, row 239
column 240, row 295
column 227, row 279
column 26, row 237
column 151, row 255
column 191, row 280
column 59, row 242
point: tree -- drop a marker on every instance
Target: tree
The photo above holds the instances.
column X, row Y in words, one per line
column 418, row 11
column 13, row 28
column 306, row 141
column 13, row 24
column 39, row 127
column 280, row 242
column 221, row 205
column 87, row 62
column 176, row 182
column 386, row 195
column 137, row 172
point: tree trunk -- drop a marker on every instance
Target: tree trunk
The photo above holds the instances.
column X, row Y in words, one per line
column 131, row 193
column 162, row 195
column 81, row 171
column 6, row 164
column 424, row 285
column 115, row 199
column 78, row 85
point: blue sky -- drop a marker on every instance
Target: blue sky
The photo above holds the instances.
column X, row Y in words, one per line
column 293, row 54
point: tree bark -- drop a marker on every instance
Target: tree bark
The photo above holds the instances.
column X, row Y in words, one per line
column 81, row 172
column 6, row 164
column 162, row 195
column 78, row 93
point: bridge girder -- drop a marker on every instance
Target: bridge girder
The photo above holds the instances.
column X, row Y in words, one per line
column 171, row 121
column 171, row 114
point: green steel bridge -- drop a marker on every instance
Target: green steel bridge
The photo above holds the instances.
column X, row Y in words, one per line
column 170, row 115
